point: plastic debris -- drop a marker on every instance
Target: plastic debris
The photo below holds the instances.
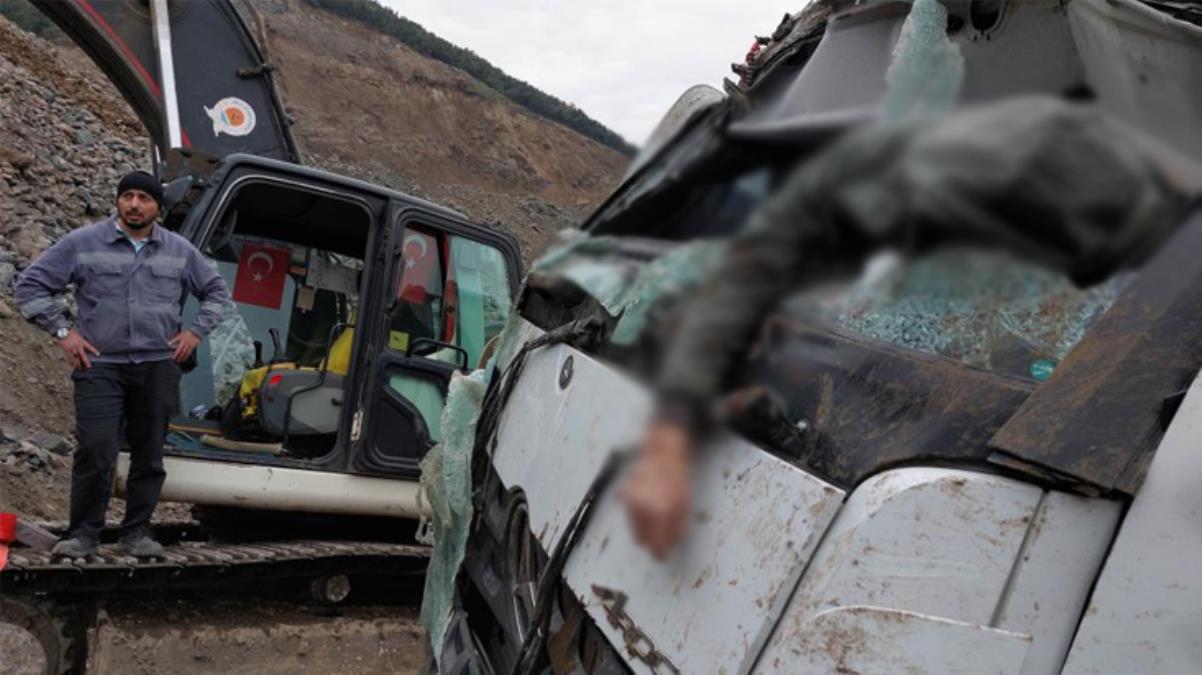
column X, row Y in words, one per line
column 675, row 272
column 446, row 482
column 233, row 352
column 624, row 290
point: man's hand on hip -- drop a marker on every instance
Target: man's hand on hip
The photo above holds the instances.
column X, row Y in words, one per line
column 184, row 344
column 76, row 349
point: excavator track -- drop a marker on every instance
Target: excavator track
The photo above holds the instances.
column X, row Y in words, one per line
column 54, row 600
column 189, row 564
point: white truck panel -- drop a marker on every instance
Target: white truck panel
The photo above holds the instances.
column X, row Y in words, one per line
column 930, row 541
column 1145, row 615
column 710, row 607
column 553, row 441
column 872, row 640
column 1055, row 571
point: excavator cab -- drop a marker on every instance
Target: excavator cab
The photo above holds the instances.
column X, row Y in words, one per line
column 352, row 305
column 351, row 309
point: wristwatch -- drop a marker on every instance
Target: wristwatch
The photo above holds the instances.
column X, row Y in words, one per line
column 62, row 333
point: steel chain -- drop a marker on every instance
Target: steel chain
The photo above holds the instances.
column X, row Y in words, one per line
column 638, row 643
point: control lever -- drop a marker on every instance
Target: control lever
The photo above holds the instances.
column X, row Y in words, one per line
column 258, row 355
column 275, row 344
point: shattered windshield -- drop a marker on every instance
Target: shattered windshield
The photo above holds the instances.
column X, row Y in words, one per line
column 984, row 309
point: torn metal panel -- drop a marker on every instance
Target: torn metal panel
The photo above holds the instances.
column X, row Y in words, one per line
column 1145, row 614
column 869, row 405
column 1101, row 415
column 1028, row 49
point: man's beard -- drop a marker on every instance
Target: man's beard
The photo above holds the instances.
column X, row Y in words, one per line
column 143, row 221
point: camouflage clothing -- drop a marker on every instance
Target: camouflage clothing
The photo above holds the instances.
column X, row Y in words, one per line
column 1055, row 182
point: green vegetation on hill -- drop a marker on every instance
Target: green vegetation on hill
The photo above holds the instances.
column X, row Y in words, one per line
column 385, row 20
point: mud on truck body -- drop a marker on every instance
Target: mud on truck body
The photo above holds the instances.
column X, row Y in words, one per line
column 318, row 395
column 958, row 482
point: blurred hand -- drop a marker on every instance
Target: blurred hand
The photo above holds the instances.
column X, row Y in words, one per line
column 659, row 492
column 184, row 343
column 76, row 349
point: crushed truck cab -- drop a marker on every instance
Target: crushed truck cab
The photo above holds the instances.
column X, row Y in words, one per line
column 968, row 464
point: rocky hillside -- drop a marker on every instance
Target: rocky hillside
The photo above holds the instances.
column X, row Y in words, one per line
column 365, row 105
column 65, row 139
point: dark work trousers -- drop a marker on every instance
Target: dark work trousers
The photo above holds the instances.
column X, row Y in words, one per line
column 112, row 398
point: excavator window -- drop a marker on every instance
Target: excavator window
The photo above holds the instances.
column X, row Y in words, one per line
column 270, row 376
column 449, row 291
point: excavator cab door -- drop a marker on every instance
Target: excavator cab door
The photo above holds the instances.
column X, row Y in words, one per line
column 451, row 288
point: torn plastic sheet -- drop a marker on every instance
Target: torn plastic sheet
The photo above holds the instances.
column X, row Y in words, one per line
column 233, row 352
column 625, row 290
column 927, row 71
column 674, row 272
column 446, row 482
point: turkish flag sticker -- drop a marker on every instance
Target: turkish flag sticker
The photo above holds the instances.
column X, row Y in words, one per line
column 262, row 271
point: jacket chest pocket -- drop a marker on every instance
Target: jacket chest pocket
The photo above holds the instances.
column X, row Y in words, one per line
column 106, row 281
column 163, row 284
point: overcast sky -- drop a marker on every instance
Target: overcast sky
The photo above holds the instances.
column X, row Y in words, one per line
column 622, row 61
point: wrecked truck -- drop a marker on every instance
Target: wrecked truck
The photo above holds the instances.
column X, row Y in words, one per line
column 963, row 476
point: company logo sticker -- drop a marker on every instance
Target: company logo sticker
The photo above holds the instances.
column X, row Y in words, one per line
column 232, row 116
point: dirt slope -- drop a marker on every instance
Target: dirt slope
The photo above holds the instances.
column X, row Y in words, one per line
column 366, row 104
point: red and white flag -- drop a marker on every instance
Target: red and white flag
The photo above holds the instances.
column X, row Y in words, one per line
column 262, row 271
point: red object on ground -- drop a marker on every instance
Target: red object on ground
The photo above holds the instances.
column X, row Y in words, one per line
column 262, row 271
column 8, row 532
column 8, row 527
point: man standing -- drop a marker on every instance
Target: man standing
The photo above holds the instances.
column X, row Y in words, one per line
column 130, row 276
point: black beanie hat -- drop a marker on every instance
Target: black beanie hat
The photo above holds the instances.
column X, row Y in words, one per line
column 140, row 180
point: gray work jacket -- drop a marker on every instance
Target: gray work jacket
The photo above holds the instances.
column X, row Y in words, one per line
column 129, row 302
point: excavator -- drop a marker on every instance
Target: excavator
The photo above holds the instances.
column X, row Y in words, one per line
column 913, row 473
column 319, row 394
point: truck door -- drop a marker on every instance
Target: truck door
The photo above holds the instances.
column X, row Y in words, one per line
column 451, row 287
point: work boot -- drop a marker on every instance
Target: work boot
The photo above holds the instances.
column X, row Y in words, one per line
column 75, row 547
column 139, row 543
